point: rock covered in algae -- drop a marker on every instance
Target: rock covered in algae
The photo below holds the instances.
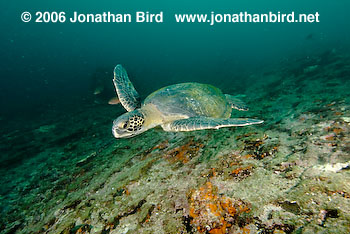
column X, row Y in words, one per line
column 214, row 213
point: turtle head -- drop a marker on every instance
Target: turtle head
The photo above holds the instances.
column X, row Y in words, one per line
column 129, row 124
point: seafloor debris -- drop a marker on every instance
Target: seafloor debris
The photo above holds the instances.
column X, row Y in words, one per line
column 242, row 172
column 325, row 214
column 214, row 213
column 256, row 147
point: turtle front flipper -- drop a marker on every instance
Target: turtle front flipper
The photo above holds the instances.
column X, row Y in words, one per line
column 236, row 103
column 199, row 123
column 126, row 92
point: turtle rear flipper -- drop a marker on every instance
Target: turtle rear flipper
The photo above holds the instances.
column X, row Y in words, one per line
column 199, row 123
column 126, row 92
column 236, row 103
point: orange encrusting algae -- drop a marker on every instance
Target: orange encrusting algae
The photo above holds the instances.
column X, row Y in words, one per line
column 212, row 212
column 184, row 153
column 161, row 145
column 337, row 130
column 241, row 170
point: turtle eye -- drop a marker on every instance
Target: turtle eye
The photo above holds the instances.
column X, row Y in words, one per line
column 123, row 125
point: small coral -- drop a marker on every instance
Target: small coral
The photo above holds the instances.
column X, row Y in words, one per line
column 212, row 212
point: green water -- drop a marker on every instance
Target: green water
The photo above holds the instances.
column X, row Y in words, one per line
column 62, row 171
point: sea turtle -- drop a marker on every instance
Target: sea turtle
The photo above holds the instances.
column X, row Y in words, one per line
column 179, row 107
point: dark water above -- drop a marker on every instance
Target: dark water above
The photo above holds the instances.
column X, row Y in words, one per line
column 52, row 64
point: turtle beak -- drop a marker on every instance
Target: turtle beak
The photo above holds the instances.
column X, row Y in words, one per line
column 120, row 133
column 116, row 133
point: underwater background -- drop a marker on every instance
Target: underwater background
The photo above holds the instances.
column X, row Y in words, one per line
column 62, row 171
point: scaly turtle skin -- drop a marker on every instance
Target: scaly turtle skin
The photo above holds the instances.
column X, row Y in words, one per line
column 180, row 107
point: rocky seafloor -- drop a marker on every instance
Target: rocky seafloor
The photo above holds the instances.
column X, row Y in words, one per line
column 288, row 175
